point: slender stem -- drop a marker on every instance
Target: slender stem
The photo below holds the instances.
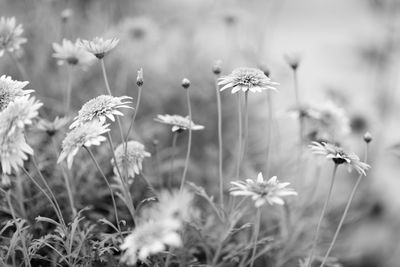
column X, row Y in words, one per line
column 239, row 154
column 103, row 68
column 322, row 215
column 21, row 197
column 108, row 185
column 269, row 131
column 296, row 87
column 220, row 144
column 19, row 66
column 346, row 210
column 246, row 125
column 135, row 112
column 69, row 90
column 173, row 147
column 24, row 251
column 256, row 232
column 189, row 141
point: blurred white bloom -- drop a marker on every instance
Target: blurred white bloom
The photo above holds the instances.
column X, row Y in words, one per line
column 293, row 59
column 98, row 46
column 87, row 134
column 246, row 79
column 178, row 122
column 72, row 54
column 10, row 90
column 51, row 127
column 10, row 35
column 338, row 156
column 261, row 191
column 13, row 150
column 131, row 161
column 66, row 14
column 101, row 107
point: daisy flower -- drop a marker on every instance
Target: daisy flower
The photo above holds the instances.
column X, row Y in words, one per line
column 339, row 156
column 87, row 134
column 261, row 191
column 246, row 79
column 131, row 161
column 51, row 127
column 10, row 35
column 13, row 150
column 101, row 107
column 98, row 46
column 179, row 123
column 72, row 54
column 10, row 90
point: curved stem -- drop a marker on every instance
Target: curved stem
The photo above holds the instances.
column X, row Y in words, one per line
column 322, row 216
column 103, row 69
column 69, row 90
column 134, row 113
column 108, row 185
column 256, row 232
column 346, row 210
column 189, row 141
column 239, row 154
column 220, row 145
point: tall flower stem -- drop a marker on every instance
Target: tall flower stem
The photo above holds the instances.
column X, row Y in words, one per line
column 19, row 66
column 220, row 144
column 314, row 244
column 108, row 185
column 256, row 233
column 239, row 154
column 67, row 183
column 134, row 113
column 173, row 147
column 69, row 90
column 189, row 141
column 269, row 131
column 298, row 104
column 246, row 125
column 127, row 195
column 346, row 210
column 20, row 192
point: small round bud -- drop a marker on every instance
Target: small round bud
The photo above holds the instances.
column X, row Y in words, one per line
column 367, row 137
column 185, row 83
column 66, row 14
column 139, row 77
column 293, row 60
column 155, row 142
column 5, row 182
column 217, row 67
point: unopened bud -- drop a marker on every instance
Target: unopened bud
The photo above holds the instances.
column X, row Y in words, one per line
column 293, row 60
column 217, row 67
column 139, row 78
column 367, row 137
column 66, row 14
column 185, row 83
column 5, row 182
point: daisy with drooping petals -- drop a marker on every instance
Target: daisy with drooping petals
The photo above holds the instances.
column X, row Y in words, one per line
column 87, row 134
column 72, row 54
column 179, row 123
column 101, row 107
column 339, row 156
column 10, row 35
column 261, row 191
column 246, row 79
column 131, row 161
column 10, row 90
column 98, row 46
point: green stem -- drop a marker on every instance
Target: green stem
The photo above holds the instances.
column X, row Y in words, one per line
column 246, row 125
column 220, row 144
column 256, row 232
column 134, row 113
column 239, row 154
column 189, row 141
column 314, row 244
column 69, row 90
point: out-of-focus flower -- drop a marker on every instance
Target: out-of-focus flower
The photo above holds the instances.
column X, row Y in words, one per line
column 66, row 14
column 293, row 59
column 72, row 54
column 5, row 182
column 179, row 123
column 10, row 35
column 131, row 161
column 13, row 150
column 98, row 46
column 87, row 134
column 10, row 90
column 367, row 137
column 52, row 127
column 261, row 191
column 20, row 113
column 101, row 108
column 246, row 79
column 139, row 77
column 338, row 156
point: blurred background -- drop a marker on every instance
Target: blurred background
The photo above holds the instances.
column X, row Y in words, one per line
column 348, row 53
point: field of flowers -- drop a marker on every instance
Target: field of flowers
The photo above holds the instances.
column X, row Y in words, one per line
column 199, row 133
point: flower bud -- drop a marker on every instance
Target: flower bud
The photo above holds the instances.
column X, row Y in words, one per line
column 367, row 137
column 185, row 83
column 139, row 77
column 66, row 14
column 217, row 67
column 5, row 182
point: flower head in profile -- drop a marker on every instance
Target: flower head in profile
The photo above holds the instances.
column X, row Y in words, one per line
column 10, row 90
column 52, row 127
column 87, row 134
column 262, row 191
column 101, row 108
column 179, row 123
column 13, row 150
column 98, row 46
column 72, row 54
column 246, row 79
column 10, row 35
column 131, row 161
column 339, row 156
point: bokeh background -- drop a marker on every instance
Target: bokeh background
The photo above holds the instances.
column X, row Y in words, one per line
column 348, row 50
